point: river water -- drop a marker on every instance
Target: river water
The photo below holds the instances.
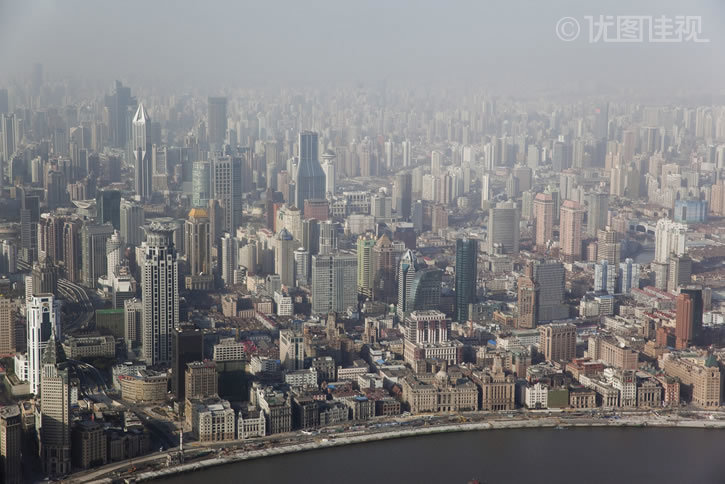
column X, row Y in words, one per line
column 542, row 456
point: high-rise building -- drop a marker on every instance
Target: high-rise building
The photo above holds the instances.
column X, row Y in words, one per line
column 570, row 231
column 217, row 122
column 133, row 323
column 118, row 106
column 201, row 184
column 160, row 292
column 43, row 322
column 108, row 207
column 557, row 341
column 605, row 277
column 503, row 229
column 228, row 258
column 284, row 257
column 597, row 212
column 466, row 276
column 384, row 257
column 406, row 274
column 72, row 253
column 669, row 237
column 11, row 430
column 628, row 276
column 188, row 344
column 198, row 242
column 141, row 146
column 684, row 320
column 132, row 219
column 365, row 264
column 302, row 266
column 528, row 301
column 309, row 178
column 548, row 275
column 608, row 246
column 7, row 327
column 679, row 271
column 328, row 167
column 45, row 277
column 94, row 239
column 425, row 290
column 227, row 184
column 407, row 153
column 201, row 379
column 334, row 282
column 544, row 216
column 55, row 417
column 291, row 350
column 328, row 238
column 403, row 194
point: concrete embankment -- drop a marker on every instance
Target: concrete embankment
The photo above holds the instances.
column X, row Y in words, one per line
column 402, row 433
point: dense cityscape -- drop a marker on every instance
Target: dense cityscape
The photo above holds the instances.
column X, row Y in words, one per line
column 197, row 277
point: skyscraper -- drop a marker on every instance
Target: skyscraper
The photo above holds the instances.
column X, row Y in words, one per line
column 328, row 237
column 188, row 344
column 503, row 229
column 291, row 350
column 365, row 264
column 55, row 401
column 93, row 252
column 597, row 213
column 132, row 219
column 548, row 276
column 198, row 242
column 328, row 167
column 669, row 237
column 403, row 194
column 628, row 276
column 160, row 292
column 217, row 122
column 141, row 146
column 108, row 207
column 384, row 256
column 10, row 444
column 544, row 216
column 406, row 274
column 528, row 301
column 608, row 246
column 227, row 183
column 202, row 189
column 334, row 278
column 118, row 105
column 570, row 231
column 309, row 178
column 684, row 320
column 605, row 277
column 284, row 258
column 466, row 276
column 7, row 327
column 679, row 271
column 43, row 322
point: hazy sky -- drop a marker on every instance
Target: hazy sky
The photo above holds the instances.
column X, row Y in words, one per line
column 508, row 43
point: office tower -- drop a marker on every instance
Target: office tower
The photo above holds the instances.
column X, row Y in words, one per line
column 403, row 194
column 309, row 178
column 228, row 257
column 503, row 229
column 669, row 237
column 108, row 207
column 284, row 258
column 608, row 246
column 628, row 276
column 227, row 183
column 8, row 258
column 328, row 168
column 605, row 277
column 55, row 416
column 597, row 213
column 118, row 106
column 416, row 216
column 141, row 146
column 406, row 274
column 328, row 237
column 570, row 231
column 160, row 292
column 271, row 158
column 72, row 253
column 544, row 217
column 29, row 218
column 114, row 257
column 311, row 236
column 198, row 242
column 93, row 252
column 407, row 153
column 485, row 191
column 549, row 278
column 698, row 306
column 7, row 143
column 200, row 379
column 684, row 320
column 216, row 122
column 528, row 300
column 388, row 148
column 43, row 321
column 365, row 264
column 384, row 256
column 679, row 271
column 425, row 290
column 45, row 277
column 133, row 323
column 466, row 276
column 334, row 278
column 7, row 327
column 132, row 219
column 291, row 350
column 558, row 341
column 11, row 430
column 4, row 101
column 302, row 266
column 201, row 184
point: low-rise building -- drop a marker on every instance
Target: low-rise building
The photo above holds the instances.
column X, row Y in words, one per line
column 536, row 396
column 580, row 397
column 426, row 393
column 301, row 378
column 251, row 424
column 144, row 386
column 90, row 347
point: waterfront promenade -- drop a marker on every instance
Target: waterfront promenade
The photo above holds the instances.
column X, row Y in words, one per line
column 199, row 457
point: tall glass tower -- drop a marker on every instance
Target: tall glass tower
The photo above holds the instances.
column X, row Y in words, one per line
column 466, row 273
column 310, row 179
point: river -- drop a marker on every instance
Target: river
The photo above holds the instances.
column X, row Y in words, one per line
column 543, row 456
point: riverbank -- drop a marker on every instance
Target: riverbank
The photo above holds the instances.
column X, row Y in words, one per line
column 322, row 443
